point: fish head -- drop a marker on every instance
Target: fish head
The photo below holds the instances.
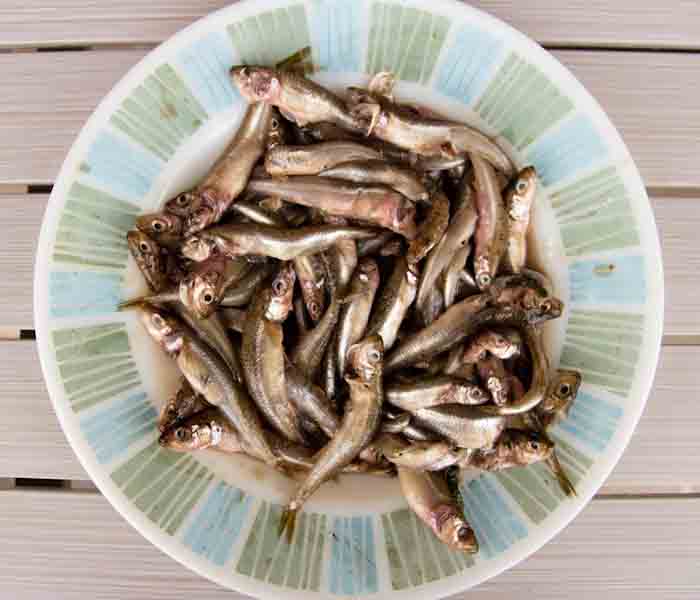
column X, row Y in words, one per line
column 279, row 133
column 527, row 447
column 183, row 204
column 198, row 248
column 560, row 396
column 165, row 329
column 522, row 194
column 453, row 530
column 202, row 289
column 475, row 394
column 551, row 308
column 366, row 357
column 196, row 433
column 150, row 258
column 504, row 345
column 256, row 84
column 482, row 272
column 281, row 294
column 173, row 407
column 160, row 224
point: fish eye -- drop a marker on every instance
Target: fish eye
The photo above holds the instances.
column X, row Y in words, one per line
column 279, row 287
column 463, row 533
column 534, row 445
column 158, row 226
column 521, row 186
column 181, row 434
column 374, row 356
column 275, row 124
column 143, row 246
column 208, row 298
column 564, row 389
column 181, row 200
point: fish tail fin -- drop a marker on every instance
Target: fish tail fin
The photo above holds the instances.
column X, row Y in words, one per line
column 133, row 303
column 295, row 61
column 562, row 478
column 288, row 523
column 143, row 300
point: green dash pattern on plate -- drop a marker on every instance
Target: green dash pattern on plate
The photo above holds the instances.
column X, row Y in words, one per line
column 521, row 102
column 269, row 37
column 162, row 484
column 161, row 113
column 95, row 364
column 405, row 40
column 268, row 557
column 605, row 347
column 415, row 555
column 92, row 229
column 595, row 214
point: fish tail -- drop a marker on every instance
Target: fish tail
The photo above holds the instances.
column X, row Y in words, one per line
column 133, row 303
column 143, row 300
column 287, row 523
column 293, row 61
column 562, row 478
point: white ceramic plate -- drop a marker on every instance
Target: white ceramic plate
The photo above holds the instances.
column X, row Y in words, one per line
column 159, row 130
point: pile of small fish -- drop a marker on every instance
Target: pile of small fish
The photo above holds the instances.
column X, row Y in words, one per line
column 346, row 291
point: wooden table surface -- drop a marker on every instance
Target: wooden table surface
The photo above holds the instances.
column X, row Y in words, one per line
column 639, row 538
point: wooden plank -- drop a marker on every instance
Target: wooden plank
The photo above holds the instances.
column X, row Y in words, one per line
column 32, row 443
column 21, row 217
column 600, row 23
column 678, row 220
column 649, row 96
column 68, row 546
column 663, row 456
column 39, row 127
column 662, row 130
column 678, row 223
column 579, row 22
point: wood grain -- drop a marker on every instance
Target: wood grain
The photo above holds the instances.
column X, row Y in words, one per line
column 69, row 546
column 32, row 443
column 21, row 216
column 624, row 23
column 678, row 220
column 663, row 457
column 649, row 96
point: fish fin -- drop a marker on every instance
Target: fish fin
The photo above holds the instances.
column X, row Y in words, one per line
column 288, row 523
column 564, row 482
column 293, row 60
column 142, row 300
column 133, row 303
